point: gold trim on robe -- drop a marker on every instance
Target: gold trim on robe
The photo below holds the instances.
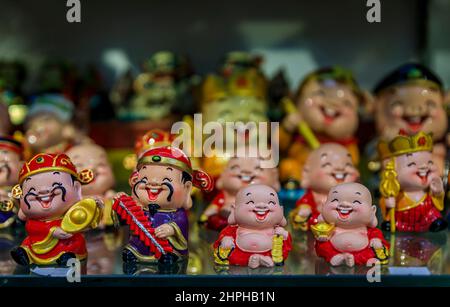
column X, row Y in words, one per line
column 178, row 241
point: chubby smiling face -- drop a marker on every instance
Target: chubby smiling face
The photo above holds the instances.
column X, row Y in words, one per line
column 329, row 108
column 243, row 171
column 327, row 166
column 349, row 205
column 257, row 207
column 163, row 185
column 415, row 170
column 411, row 108
column 9, row 167
column 49, row 195
column 91, row 156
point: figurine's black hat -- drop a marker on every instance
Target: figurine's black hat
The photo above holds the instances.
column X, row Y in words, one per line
column 410, row 73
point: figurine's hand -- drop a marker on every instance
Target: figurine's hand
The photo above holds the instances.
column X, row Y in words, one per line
column 390, row 202
column 164, row 231
column 119, row 195
column 99, row 202
column 291, row 121
column 436, row 186
column 110, row 194
column 304, row 212
column 61, row 234
column 227, row 242
column 376, row 243
column 280, row 231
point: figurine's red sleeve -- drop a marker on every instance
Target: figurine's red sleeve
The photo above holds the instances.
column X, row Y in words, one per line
column 229, row 231
column 287, row 246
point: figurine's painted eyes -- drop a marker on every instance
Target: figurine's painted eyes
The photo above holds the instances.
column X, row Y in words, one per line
column 357, row 202
column 250, row 202
column 430, row 162
column 144, row 180
column 326, row 164
column 334, row 200
column 411, row 164
column 349, row 164
column 272, row 203
column 235, row 167
column 319, row 93
column 167, row 179
column 348, row 103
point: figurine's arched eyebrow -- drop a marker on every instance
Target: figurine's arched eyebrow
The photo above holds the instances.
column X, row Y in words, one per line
column 169, row 168
column 358, row 193
column 349, row 155
column 409, row 155
column 334, row 191
column 29, row 178
column 56, row 173
column 323, row 155
column 271, row 194
column 248, row 194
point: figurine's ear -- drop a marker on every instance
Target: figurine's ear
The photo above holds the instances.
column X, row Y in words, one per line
column 133, row 178
column 188, row 201
column 374, row 221
column 367, row 103
column 232, row 216
column 77, row 187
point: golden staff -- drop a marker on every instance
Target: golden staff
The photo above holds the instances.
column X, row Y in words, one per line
column 390, row 187
column 303, row 127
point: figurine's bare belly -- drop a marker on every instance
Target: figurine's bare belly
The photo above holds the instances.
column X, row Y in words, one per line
column 350, row 241
column 254, row 241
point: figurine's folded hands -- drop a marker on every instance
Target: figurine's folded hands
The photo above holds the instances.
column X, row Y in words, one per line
column 227, row 242
column 280, row 231
column 61, row 234
column 436, row 186
column 164, row 231
column 376, row 243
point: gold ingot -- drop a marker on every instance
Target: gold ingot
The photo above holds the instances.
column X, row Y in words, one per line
column 83, row 215
column 322, row 230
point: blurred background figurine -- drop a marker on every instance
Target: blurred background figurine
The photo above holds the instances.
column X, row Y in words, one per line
column 10, row 165
column 327, row 101
column 94, row 157
column 412, row 99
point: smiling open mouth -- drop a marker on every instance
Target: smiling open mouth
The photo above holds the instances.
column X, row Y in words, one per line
column 45, row 201
column 329, row 114
column 261, row 214
column 339, row 177
column 415, row 123
column 344, row 213
column 153, row 193
column 423, row 175
column 246, row 179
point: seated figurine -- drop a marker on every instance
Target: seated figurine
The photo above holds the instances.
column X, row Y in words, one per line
column 255, row 236
column 346, row 233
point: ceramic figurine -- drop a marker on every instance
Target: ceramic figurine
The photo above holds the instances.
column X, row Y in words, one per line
column 10, row 164
column 347, row 232
column 327, row 103
column 411, row 188
column 95, row 158
column 255, row 236
column 240, row 97
column 48, row 127
column 239, row 172
column 157, row 209
column 412, row 99
column 326, row 166
column 49, row 192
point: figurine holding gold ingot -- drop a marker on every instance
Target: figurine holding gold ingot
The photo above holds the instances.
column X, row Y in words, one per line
column 49, row 192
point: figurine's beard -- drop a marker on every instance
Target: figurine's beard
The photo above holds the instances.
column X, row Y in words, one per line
column 5, row 168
